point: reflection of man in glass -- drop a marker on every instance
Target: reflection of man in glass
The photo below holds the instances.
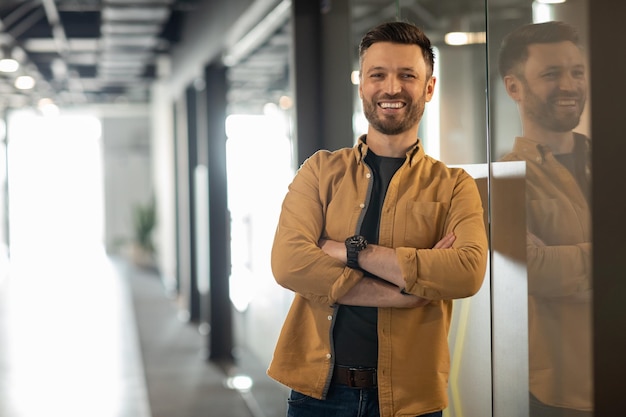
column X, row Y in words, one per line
column 543, row 69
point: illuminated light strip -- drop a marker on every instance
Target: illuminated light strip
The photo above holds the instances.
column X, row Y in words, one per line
column 455, row 368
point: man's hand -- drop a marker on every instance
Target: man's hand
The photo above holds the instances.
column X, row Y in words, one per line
column 373, row 292
column 335, row 249
column 381, row 262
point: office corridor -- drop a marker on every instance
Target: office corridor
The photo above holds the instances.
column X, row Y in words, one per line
column 83, row 334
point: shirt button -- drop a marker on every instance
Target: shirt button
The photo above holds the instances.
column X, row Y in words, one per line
column 368, row 175
column 362, row 205
column 328, row 355
column 330, row 317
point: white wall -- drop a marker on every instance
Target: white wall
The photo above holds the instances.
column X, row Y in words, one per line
column 126, row 152
column 163, row 176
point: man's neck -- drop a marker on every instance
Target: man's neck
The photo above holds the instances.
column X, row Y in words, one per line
column 558, row 142
column 395, row 146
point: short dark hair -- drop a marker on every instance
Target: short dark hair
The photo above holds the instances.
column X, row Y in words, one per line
column 402, row 33
column 514, row 47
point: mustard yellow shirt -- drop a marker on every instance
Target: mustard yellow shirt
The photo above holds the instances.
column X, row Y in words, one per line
column 559, row 278
column 425, row 200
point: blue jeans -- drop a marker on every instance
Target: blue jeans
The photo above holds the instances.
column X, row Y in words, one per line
column 341, row 401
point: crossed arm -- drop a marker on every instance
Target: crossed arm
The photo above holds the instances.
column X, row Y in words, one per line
column 380, row 262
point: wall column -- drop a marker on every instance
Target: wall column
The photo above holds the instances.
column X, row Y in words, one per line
column 322, row 57
column 608, row 204
column 220, row 309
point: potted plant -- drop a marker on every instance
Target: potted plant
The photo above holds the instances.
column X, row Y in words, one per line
column 144, row 223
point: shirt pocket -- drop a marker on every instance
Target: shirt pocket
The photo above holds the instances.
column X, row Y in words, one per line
column 424, row 223
column 555, row 221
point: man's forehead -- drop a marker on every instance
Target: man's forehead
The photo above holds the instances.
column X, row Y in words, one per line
column 387, row 47
column 557, row 53
column 386, row 53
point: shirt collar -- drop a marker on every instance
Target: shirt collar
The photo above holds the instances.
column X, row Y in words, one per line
column 530, row 150
column 414, row 154
column 533, row 151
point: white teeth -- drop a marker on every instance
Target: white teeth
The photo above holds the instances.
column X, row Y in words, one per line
column 394, row 105
column 566, row 102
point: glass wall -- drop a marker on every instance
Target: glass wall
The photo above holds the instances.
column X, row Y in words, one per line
column 538, row 83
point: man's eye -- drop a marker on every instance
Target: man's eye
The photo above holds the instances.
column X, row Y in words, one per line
column 409, row 76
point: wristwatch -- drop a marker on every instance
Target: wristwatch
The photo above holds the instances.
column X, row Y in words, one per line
column 354, row 245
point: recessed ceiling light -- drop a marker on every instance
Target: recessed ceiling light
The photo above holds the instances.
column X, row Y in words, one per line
column 8, row 65
column 24, row 82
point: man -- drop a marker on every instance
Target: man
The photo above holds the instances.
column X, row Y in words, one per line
column 376, row 241
column 543, row 69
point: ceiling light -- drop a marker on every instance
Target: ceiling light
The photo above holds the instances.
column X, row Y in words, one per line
column 355, row 77
column 285, row 102
column 47, row 107
column 551, row 1
column 24, row 82
column 8, row 65
column 465, row 38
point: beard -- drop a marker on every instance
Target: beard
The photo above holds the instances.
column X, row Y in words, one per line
column 394, row 124
column 547, row 114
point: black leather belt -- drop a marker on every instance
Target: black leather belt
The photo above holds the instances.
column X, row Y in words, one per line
column 355, row 377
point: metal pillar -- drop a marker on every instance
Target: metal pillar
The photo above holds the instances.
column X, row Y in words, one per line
column 220, row 309
column 185, row 148
column 322, row 57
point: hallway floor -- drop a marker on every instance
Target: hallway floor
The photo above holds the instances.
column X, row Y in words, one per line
column 98, row 337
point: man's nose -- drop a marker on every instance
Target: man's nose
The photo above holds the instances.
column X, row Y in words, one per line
column 392, row 86
column 568, row 82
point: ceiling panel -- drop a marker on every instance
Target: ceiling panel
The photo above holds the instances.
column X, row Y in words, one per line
column 76, row 50
column 105, row 51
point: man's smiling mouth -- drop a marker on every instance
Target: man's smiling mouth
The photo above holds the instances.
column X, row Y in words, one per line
column 566, row 102
column 391, row 104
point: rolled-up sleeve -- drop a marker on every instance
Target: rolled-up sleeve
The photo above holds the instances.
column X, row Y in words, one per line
column 459, row 271
column 297, row 261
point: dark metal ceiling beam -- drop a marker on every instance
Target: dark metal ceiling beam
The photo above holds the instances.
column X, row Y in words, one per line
column 63, row 48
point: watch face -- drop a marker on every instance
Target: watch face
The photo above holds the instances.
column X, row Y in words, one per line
column 354, row 245
column 358, row 242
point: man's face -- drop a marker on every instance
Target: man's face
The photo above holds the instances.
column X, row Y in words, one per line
column 394, row 87
column 554, row 86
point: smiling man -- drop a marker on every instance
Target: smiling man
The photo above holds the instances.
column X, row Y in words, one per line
column 376, row 241
column 544, row 71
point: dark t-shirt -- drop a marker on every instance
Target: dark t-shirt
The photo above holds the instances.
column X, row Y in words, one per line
column 355, row 332
column 576, row 163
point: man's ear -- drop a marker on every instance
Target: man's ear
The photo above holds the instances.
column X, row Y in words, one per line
column 429, row 89
column 513, row 87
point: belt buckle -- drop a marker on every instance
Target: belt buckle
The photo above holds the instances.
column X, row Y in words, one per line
column 351, row 378
column 354, row 383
